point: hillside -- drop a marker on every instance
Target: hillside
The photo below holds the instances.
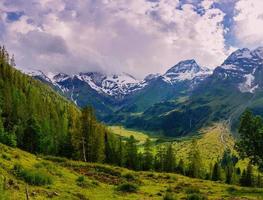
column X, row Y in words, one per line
column 179, row 102
column 78, row 180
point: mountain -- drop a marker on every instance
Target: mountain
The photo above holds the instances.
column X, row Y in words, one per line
column 234, row 86
column 123, row 92
column 178, row 102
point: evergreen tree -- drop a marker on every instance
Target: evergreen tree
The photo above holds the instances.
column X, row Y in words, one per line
column 147, row 156
column 31, row 138
column 229, row 171
column 131, row 154
column 181, row 167
column 249, row 144
column 216, row 174
column 247, row 176
column 250, row 175
column 169, row 165
column 195, row 167
column 159, row 160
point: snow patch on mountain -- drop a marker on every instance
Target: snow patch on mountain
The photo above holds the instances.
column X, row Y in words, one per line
column 187, row 70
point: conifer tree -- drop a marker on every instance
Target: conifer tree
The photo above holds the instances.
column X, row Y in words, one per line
column 159, row 160
column 216, row 174
column 195, row 167
column 181, row 167
column 132, row 154
column 169, row 164
column 147, row 156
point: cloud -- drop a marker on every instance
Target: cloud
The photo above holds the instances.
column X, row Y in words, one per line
column 248, row 27
column 138, row 37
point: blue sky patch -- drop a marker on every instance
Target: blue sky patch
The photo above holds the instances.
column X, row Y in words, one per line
column 14, row 16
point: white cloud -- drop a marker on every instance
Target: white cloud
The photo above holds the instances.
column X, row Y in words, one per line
column 138, row 37
column 249, row 23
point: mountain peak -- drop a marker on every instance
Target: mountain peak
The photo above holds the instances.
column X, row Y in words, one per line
column 244, row 53
column 185, row 65
column 258, row 52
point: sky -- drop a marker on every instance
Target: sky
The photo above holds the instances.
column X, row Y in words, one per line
column 134, row 36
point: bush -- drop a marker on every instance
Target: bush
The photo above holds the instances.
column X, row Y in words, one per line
column 169, row 196
column 128, row 187
column 195, row 196
column 82, row 182
column 6, row 157
column 8, row 139
column 129, row 176
column 32, row 176
column 192, row 190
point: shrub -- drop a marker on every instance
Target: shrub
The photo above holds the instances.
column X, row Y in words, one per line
column 82, row 182
column 128, row 187
column 8, row 139
column 192, row 190
column 196, row 196
column 32, row 176
column 129, row 176
column 169, row 196
column 6, row 157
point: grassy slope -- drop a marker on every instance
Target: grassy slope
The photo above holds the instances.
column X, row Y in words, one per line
column 102, row 181
column 119, row 130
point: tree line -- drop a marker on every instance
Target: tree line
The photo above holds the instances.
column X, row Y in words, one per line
column 35, row 118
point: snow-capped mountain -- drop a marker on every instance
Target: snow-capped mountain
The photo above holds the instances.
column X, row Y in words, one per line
column 243, row 68
column 119, row 86
column 187, row 70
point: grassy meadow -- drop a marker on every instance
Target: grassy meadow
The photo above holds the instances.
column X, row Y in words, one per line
column 79, row 180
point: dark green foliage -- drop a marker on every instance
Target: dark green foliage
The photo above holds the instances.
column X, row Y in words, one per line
column 181, row 167
column 196, row 197
column 129, row 177
column 169, row 196
column 147, row 156
column 170, row 163
column 250, row 141
column 247, row 177
column 132, row 154
column 195, row 169
column 37, row 119
column 128, row 187
column 216, row 174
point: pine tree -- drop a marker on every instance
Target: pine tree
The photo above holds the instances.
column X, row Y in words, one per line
column 31, row 136
column 249, row 144
column 243, row 178
column 181, row 167
column 169, row 165
column 147, row 156
column 216, row 174
column 195, row 167
column 229, row 170
column 159, row 160
column 132, row 154
column 250, row 175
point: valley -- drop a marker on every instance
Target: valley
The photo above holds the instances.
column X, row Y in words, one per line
column 131, row 100
column 79, row 180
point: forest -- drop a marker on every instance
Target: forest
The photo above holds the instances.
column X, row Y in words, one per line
column 36, row 119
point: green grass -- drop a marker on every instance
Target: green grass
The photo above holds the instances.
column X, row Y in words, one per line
column 121, row 131
column 79, row 180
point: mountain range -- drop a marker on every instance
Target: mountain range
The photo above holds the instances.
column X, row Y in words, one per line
column 175, row 103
